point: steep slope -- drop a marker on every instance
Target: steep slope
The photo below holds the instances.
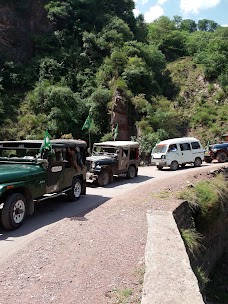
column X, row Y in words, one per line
column 203, row 101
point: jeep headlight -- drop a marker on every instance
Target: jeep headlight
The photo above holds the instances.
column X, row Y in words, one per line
column 93, row 165
column 163, row 157
column 214, row 150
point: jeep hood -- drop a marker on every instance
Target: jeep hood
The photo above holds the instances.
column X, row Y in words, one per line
column 102, row 159
column 18, row 172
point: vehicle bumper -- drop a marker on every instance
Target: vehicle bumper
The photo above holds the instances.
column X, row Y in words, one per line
column 159, row 162
column 91, row 177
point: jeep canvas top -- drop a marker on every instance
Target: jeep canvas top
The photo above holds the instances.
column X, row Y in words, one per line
column 112, row 158
column 29, row 173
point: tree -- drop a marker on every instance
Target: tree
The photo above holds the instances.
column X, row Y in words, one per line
column 207, row 25
column 188, row 25
column 163, row 33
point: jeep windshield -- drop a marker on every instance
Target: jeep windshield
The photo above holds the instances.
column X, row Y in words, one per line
column 160, row 149
column 101, row 150
column 18, row 155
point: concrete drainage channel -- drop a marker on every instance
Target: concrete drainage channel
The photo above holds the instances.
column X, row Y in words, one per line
column 168, row 277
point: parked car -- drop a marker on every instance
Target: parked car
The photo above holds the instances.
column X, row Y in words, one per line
column 217, row 151
column 112, row 158
column 29, row 174
column 207, row 155
column 177, row 152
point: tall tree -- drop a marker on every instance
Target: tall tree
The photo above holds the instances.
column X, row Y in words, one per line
column 207, row 25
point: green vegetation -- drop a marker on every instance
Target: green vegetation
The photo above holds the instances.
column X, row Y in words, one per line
column 193, row 240
column 131, row 294
column 170, row 76
column 208, row 198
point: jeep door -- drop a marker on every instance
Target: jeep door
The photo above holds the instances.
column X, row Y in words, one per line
column 124, row 155
column 55, row 177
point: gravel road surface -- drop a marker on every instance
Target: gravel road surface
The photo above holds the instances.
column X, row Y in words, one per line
column 90, row 251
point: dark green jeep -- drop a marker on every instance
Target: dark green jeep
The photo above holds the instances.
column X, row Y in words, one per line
column 29, row 174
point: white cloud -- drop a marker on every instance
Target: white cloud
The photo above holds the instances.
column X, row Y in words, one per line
column 194, row 6
column 153, row 13
column 160, row 2
column 224, row 25
column 136, row 12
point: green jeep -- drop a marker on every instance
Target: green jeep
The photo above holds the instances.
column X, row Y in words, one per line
column 30, row 174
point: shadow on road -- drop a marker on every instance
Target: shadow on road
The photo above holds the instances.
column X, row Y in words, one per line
column 122, row 180
column 53, row 210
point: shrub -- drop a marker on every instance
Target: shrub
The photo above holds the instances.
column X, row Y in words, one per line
column 209, row 196
column 192, row 239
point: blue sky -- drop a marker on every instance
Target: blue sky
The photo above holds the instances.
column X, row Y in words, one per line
column 216, row 10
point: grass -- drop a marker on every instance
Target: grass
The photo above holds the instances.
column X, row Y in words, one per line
column 193, row 240
column 129, row 295
column 202, row 276
column 210, row 196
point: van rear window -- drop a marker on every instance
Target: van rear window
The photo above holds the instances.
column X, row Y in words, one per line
column 195, row 145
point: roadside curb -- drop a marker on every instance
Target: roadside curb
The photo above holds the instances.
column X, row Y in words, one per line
column 168, row 276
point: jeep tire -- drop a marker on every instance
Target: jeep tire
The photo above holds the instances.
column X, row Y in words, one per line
column 208, row 160
column 14, row 211
column 159, row 167
column 221, row 157
column 75, row 192
column 103, row 178
column 131, row 172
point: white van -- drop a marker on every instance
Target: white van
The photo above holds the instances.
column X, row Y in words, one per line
column 177, row 152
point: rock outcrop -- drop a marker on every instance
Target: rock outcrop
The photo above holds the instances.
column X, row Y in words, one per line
column 19, row 21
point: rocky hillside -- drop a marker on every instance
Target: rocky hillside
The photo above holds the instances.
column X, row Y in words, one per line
column 204, row 102
column 19, row 20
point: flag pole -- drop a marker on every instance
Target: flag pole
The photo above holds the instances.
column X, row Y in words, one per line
column 90, row 152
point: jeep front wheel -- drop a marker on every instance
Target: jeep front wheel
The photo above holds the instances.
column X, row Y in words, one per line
column 75, row 192
column 221, row 157
column 14, row 211
column 131, row 173
column 103, row 178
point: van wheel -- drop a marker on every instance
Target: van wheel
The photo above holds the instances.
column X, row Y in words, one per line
column 131, row 173
column 221, row 157
column 14, row 211
column 103, row 178
column 174, row 165
column 159, row 167
column 75, row 192
column 197, row 162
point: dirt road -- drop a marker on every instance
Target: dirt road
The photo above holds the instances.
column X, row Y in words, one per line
column 84, row 252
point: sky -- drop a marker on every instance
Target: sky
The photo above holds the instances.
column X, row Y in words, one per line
column 216, row 10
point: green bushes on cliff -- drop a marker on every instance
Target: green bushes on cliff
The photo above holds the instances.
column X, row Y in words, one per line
column 171, row 75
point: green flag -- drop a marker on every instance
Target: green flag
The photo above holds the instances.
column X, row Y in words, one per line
column 46, row 145
column 87, row 123
column 116, row 132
